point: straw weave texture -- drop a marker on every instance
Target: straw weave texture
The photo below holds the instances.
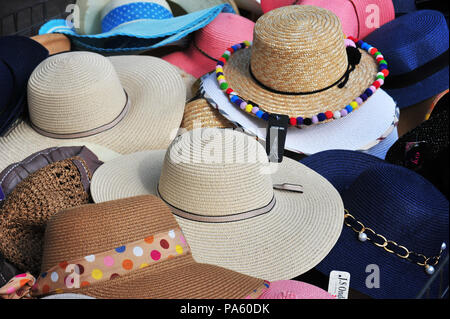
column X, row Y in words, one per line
column 156, row 91
column 30, row 205
column 298, row 49
column 200, row 113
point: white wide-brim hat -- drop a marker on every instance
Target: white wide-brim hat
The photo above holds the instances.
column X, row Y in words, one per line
column 155, row 93
column 358, row 131
column 287, row 241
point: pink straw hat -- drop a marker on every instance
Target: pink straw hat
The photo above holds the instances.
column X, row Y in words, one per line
column 210, row 42
column 291, row 289
column 357, row 16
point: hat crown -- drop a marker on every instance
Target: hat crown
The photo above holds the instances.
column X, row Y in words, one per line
column 118, row 12
column 401, row 206
column 298, row 49
column 215, row 172
column 74, row 92
column 96, row 228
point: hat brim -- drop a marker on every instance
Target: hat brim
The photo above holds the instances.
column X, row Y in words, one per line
column 157, row 94
column 288, row 241
column 191, row 61
column 422, row 90
column 139, row 35
column 178, row 278
column 361, row 130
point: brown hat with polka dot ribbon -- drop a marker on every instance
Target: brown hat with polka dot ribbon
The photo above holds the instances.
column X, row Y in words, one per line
column 130, row 248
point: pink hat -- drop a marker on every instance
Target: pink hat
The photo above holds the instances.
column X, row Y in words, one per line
column 357, row 16
column 210, row 42
column 291, row 289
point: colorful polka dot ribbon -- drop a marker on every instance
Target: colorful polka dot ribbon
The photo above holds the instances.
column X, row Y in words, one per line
column 94, row 269
column 98, row 268
column 112, row 264
column 255, row 110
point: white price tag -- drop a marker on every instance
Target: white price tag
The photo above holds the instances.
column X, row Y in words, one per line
column 339, row 284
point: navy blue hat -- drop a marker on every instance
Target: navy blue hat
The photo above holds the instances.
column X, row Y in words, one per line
column 416, row 48
column 19, row 56
column 395, row 203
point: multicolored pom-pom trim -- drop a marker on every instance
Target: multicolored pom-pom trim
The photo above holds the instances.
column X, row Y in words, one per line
column 246, row 106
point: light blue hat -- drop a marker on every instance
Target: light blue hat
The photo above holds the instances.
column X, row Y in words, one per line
column 129, row 25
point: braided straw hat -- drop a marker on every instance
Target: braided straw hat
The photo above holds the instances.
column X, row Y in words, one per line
column 25, row 212
column 90, row 230
column 220, row 186
column 124, row 103
column 298, row 49
column 199, row 113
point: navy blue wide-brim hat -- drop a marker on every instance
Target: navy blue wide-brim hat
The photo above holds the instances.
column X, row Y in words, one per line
column 416, row 48
column 396, row 203
column 19, row 56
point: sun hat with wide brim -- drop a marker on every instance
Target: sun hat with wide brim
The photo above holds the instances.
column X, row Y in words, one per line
column 291, row 289
column 210, row 42
column 407, row 212
column 227, row 206
column 358, row 17
column 180, row 7
column 296, row 74
column 132, row 248
column 124, row 103
column 129, row 25
column 417, row 46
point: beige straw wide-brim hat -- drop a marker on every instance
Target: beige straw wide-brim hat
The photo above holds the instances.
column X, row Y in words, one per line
column 136, row 101
column 290, row 239
column 298, row 49
column 199, row 113
column 93, row 229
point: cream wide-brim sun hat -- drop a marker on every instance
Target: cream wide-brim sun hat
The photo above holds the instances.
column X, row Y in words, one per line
column 156, row 94
column 286, row 242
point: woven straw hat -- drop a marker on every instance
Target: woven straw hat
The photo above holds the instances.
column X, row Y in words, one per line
column 180, row 7
column 25, row 212
column 124, row 103
column 298, row 49
column 282, row 233
column 115, row 227
column 199, row 113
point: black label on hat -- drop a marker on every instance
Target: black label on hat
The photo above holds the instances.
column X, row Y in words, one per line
column 2, row 195
column 276, row 137
column 415, row 154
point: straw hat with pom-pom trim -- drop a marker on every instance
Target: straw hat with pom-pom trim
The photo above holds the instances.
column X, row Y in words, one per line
column 298, row 49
